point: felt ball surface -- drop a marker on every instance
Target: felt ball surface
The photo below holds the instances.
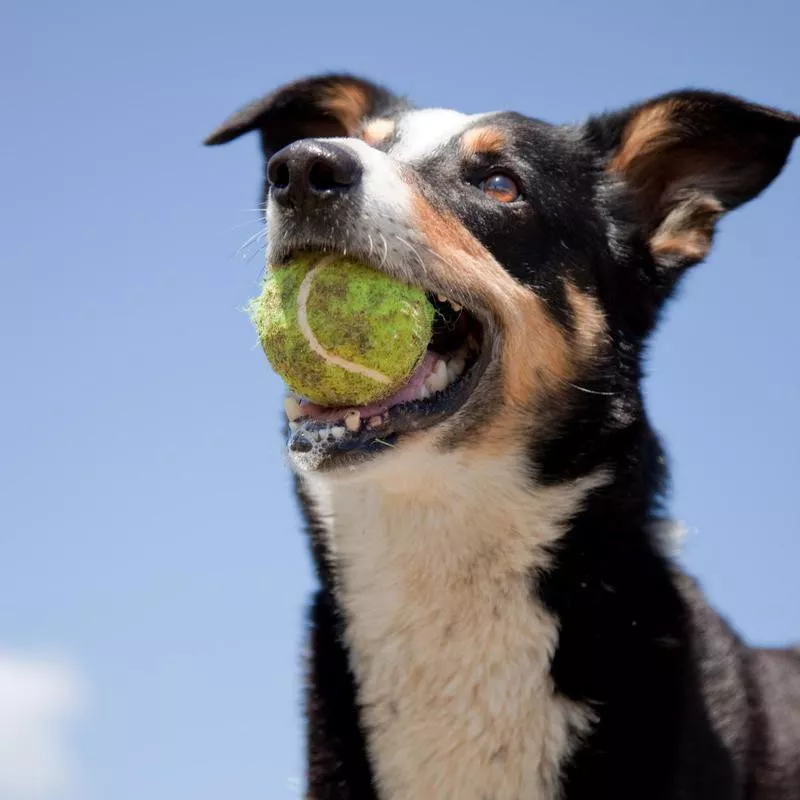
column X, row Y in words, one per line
column 338, row 332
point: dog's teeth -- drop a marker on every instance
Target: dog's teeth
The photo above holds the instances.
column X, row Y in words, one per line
column 292, row 408
column 437, row 380
column 352, row 421
column 441, row 298
column 423, row 393
column 338, row 432
column 293, row 426
column 454, row 368
column 455, row 306
column 375, row 422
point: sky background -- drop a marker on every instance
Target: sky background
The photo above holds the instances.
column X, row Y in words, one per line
column 152, row 572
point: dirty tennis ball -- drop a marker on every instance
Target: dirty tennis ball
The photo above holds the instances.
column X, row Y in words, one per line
column 338, row 332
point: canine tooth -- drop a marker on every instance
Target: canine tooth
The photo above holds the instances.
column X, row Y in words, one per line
column 455, row 306
column 457, row 365
column 292, row 408
column 338, row 431
column 437, row 380
column 441, row 298
column 423, row 393
column 375, row 422
column 352, row 421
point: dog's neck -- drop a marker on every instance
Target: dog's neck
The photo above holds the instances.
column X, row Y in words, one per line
column 434, row 558
column 450, row 509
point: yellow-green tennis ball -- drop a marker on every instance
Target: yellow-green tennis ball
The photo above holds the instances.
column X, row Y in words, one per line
column 340, row 333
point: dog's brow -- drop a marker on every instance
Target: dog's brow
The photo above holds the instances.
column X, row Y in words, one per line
column 483, row 139
column 378, row 130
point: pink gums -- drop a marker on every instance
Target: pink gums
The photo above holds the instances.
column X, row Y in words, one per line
column 403, row 395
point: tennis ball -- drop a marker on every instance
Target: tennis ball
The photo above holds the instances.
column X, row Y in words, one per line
column 338, row 332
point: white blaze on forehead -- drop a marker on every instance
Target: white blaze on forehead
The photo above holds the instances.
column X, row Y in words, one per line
column 421, row 134
column 381, row 182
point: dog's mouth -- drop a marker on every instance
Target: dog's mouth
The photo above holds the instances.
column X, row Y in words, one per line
column 456, row 357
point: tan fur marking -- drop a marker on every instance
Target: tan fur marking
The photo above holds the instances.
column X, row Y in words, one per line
column 693, row 245
column 648, row 130
column 539, row 361
column 482, row 140
column 348, row 104
column 434, row 554
column 377, row 131
column 503, row 431
column 590, row 322
column 534, row 348
column 687, row 230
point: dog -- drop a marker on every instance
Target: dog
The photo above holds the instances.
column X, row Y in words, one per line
column 497, row 616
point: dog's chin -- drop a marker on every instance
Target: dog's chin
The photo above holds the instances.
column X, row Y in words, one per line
column 436, row 396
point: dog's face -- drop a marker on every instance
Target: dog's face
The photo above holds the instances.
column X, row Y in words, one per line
column 548, row 251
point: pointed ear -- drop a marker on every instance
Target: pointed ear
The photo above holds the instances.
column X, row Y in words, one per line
column 323, row 106
column 689, row 157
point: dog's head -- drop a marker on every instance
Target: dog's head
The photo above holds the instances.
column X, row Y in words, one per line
column 549, row 251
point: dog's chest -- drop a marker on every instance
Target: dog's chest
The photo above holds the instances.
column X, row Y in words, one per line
column 449, row 646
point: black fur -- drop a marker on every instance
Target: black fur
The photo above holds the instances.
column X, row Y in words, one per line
column 684, row 708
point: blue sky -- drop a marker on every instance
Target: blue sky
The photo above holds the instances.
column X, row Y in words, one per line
column 152, row 571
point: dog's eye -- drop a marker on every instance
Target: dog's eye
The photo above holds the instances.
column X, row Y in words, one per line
column 500, row 187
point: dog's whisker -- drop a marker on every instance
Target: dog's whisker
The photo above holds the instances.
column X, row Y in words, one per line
column 412, row 249
column 242, row 225
column 256, row 239
column 259, row 211
column 587, row 390
column 385, row 250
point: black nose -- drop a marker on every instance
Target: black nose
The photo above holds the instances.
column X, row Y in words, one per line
column 312, row 172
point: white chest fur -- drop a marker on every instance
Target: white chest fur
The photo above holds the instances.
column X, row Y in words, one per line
column 450, row 648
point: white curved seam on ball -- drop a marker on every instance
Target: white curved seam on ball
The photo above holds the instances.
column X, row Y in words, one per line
column 313, row 342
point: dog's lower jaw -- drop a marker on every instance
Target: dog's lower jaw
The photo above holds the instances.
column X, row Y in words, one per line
column 449, row 647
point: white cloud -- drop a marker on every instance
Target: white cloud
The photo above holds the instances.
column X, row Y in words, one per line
column 39, row 699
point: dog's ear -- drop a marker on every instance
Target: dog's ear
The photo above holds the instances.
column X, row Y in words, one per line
column 689, row 157
column 322, row 106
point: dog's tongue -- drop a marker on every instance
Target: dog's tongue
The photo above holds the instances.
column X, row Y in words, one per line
column 407, row 392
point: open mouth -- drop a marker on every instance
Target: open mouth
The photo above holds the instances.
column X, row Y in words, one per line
column 456, row 357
